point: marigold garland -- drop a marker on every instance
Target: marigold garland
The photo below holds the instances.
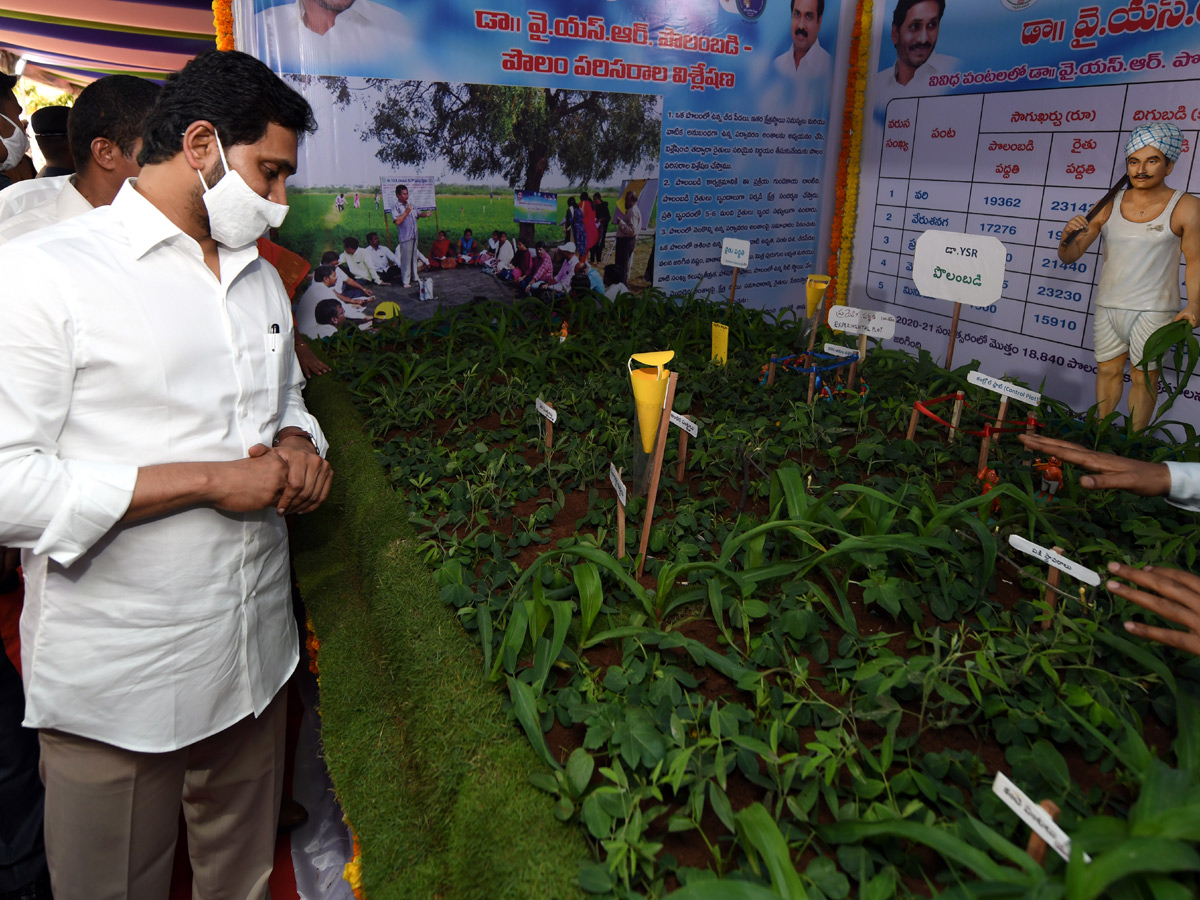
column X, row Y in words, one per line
column 352, row 871
column 312, row 645
column 846, row 191
column 223, row 21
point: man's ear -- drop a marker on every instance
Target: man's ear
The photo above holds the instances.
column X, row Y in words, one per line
column 105, row 153
column 200, row 145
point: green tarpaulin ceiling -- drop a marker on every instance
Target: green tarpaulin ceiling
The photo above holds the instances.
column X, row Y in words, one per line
column 69, row 43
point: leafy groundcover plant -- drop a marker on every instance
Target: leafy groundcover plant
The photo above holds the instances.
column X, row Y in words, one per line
column 833, row 649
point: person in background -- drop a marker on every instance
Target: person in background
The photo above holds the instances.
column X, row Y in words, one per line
column 566, row 268
column 49, row 126
column 522, row 261
column 14, row 142
column 331, row 314
column 603, row 217
column 440, row 251
column 613, row 286
column 468, row 249
column 382, row 259
column 629, row 223
column 345, row 286
column 405, row 218
column 590, row 233
column 357, row 261
column 542, row 270
column 568, row 222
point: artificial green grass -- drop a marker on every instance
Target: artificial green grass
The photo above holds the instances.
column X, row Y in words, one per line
column 433, row 779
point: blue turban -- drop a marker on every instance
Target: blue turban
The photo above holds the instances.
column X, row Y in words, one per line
column 1163, row 135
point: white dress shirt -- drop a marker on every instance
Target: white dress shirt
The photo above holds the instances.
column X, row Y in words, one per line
column 68, row 204
column 1185, row 485
column 359, row 265
column 154, row 634
column 17, row 198
column 363, row 37
column 887, row 88
column 816, row 63
column 504, row 256
column 380, row 257
column 306, row 311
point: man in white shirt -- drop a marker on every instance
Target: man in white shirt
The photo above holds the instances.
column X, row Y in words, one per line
column 322, row 288
column 356, row 260
column 806, row 60
column 332, row 37
column 916, row 25
column 154, row 438
column 504, row 256
column 105, row 134
column 382, row 259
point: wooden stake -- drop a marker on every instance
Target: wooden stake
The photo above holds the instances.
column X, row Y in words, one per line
column 986, row 444
column 660, row 445
column 682, row 465
column 912, row 424
column 1052, row 576
column 953, row 336
column 862, row 358
column 1037, row 847
column 620, row 523
column 1031, row 424
column 812, row 379
column 733, row 289
column 958, row 408
column 549, row 432
column 770, row 373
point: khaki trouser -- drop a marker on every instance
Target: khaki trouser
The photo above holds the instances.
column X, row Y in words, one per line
column 112, row 815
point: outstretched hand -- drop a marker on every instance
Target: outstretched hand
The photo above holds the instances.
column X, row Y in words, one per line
column 1111, row 471
column 1170, row 593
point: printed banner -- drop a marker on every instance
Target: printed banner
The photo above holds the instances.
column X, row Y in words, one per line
column 1006, row 119
column 535, row 207
column 729, row 112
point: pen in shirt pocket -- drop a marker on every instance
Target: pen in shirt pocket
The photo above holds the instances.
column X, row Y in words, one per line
column 274, row 332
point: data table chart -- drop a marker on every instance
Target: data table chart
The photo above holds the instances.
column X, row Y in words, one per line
column 1016, row 166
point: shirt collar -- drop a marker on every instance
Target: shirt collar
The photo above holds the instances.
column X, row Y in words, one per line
column 357, row 12
column 147, row 227
column 70, row 202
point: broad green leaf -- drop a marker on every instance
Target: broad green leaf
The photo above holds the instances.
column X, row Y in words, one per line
column 580, row 766
column 719, row 801
column 940, row 840
column 1087, row 881
column 547, row 652
column 723, row 889
column 483, row 616
column 591, row 596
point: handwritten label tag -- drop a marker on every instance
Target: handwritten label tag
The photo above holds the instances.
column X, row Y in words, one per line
column 614, row 478
column 1033, row 816
column 839, row 350
column 1025, row 395
column 963, row 268
column 852, row 320
column 1060, row 562
column 685, row 423
column 546, row 411
column 735, row 253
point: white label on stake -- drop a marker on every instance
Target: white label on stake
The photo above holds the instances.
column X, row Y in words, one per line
column 614, row 478
column 1033, row 816
column 962, row 268
column 839, row 350
column 685, row 423
column 735, row 253
column 546, row 410
column 1025, row 395
column 1057, row 560
column 852, row 320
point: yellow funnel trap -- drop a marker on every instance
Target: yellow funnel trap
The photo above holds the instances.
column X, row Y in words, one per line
column 815, row 289
column 649, row 391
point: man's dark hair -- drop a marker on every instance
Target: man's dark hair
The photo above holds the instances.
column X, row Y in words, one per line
column 401, row 187
column 820, row 8
column 8, row 82
column 320, row 273
column 372, row 234
column 903, row 6
column 329, row 258
column 540, row 245
column 350, row 243
column 612, row 275
column 114, row 107
column 327, row 310
column 234, row 91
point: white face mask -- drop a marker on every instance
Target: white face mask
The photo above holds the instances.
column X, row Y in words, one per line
column 17, row 144
column 236, row 214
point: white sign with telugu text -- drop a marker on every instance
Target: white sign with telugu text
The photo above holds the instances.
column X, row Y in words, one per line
column 1060, row 562
column 1034, row 816
column 1007, row 388
column 685, row 423
column 839, row 350
column 962, row 268
column 852, row 320
column 735, row 253
column 614, row 478
column 546, row 410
